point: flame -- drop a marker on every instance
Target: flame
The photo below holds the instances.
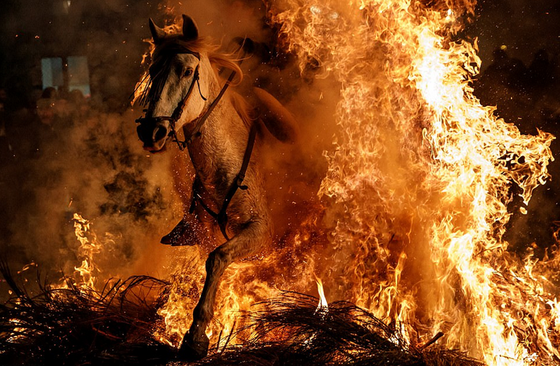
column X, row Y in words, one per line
column 415, row 200
column 176, row 312
column 89, row 251
column 420, row 179
column 323, row 305
column 89, row 247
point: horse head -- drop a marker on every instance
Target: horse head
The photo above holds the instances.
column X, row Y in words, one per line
column 179, row 80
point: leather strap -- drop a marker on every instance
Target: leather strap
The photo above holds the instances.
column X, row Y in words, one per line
column 193, row 133
column 221, row 216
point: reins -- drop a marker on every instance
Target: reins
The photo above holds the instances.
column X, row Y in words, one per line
column 221, row 216
column 198, row 122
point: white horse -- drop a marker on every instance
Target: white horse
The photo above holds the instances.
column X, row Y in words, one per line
column 223, row 140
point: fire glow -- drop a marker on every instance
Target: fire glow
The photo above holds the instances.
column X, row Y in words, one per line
column 416, row 194
column 420, row 180
column 89, row 246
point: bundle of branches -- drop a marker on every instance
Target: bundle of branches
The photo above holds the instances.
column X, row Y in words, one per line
column 293, row 330
column 80, row 326
column 77, row 325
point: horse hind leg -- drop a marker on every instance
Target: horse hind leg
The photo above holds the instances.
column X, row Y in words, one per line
column 254, row 235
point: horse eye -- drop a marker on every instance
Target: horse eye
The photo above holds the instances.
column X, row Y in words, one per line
column 189, row 72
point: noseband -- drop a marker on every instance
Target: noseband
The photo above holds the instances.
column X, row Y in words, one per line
column 176, row 115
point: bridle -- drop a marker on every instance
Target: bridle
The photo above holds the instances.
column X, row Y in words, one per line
column 199, row 121
column 194, row 132
column 190, row 133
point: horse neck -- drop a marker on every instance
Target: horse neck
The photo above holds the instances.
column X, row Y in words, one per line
column 220, row 147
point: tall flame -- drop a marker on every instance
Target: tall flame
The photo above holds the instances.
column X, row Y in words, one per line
column 416, row 195
column 89, row 247
column 421, row 177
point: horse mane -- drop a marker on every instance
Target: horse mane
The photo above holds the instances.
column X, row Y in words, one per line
column 225, row 61
column 150, row 87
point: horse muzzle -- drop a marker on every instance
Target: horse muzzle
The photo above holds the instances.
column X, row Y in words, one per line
column 154, row 132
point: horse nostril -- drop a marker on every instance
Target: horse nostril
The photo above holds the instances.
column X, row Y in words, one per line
column 160, row 133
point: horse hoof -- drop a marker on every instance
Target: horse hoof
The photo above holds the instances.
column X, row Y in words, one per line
column 193, row 350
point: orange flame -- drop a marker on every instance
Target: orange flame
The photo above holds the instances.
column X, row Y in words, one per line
column 420, row 178
column 176, row 313
column 89, row 246
column 323, row 305
column 416, row 193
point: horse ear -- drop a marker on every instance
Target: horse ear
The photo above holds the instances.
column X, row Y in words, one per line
column 157, row 33
column 190, row 30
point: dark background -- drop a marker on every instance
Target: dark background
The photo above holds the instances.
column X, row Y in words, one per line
column 519, row 42
column 109, row 32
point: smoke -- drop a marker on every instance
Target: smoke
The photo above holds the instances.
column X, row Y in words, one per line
column 69, row 155
column 98, row 171
column 90, row 162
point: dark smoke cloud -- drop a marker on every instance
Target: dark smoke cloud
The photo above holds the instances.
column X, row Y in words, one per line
column 90, row 162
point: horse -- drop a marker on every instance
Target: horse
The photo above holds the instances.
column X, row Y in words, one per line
column 186, row 92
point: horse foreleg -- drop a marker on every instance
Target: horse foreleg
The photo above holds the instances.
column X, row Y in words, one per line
column 245, row 243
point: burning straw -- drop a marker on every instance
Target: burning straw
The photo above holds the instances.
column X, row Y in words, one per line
column 293, row 330
column 78, row 325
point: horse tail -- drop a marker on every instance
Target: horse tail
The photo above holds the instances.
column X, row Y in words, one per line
column 242, row 108
column 277, row 119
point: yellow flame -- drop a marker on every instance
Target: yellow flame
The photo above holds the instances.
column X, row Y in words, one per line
column 420, row 178
column 416, row 191
column 323, row 305
column 89, row 247
column 176, row 313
